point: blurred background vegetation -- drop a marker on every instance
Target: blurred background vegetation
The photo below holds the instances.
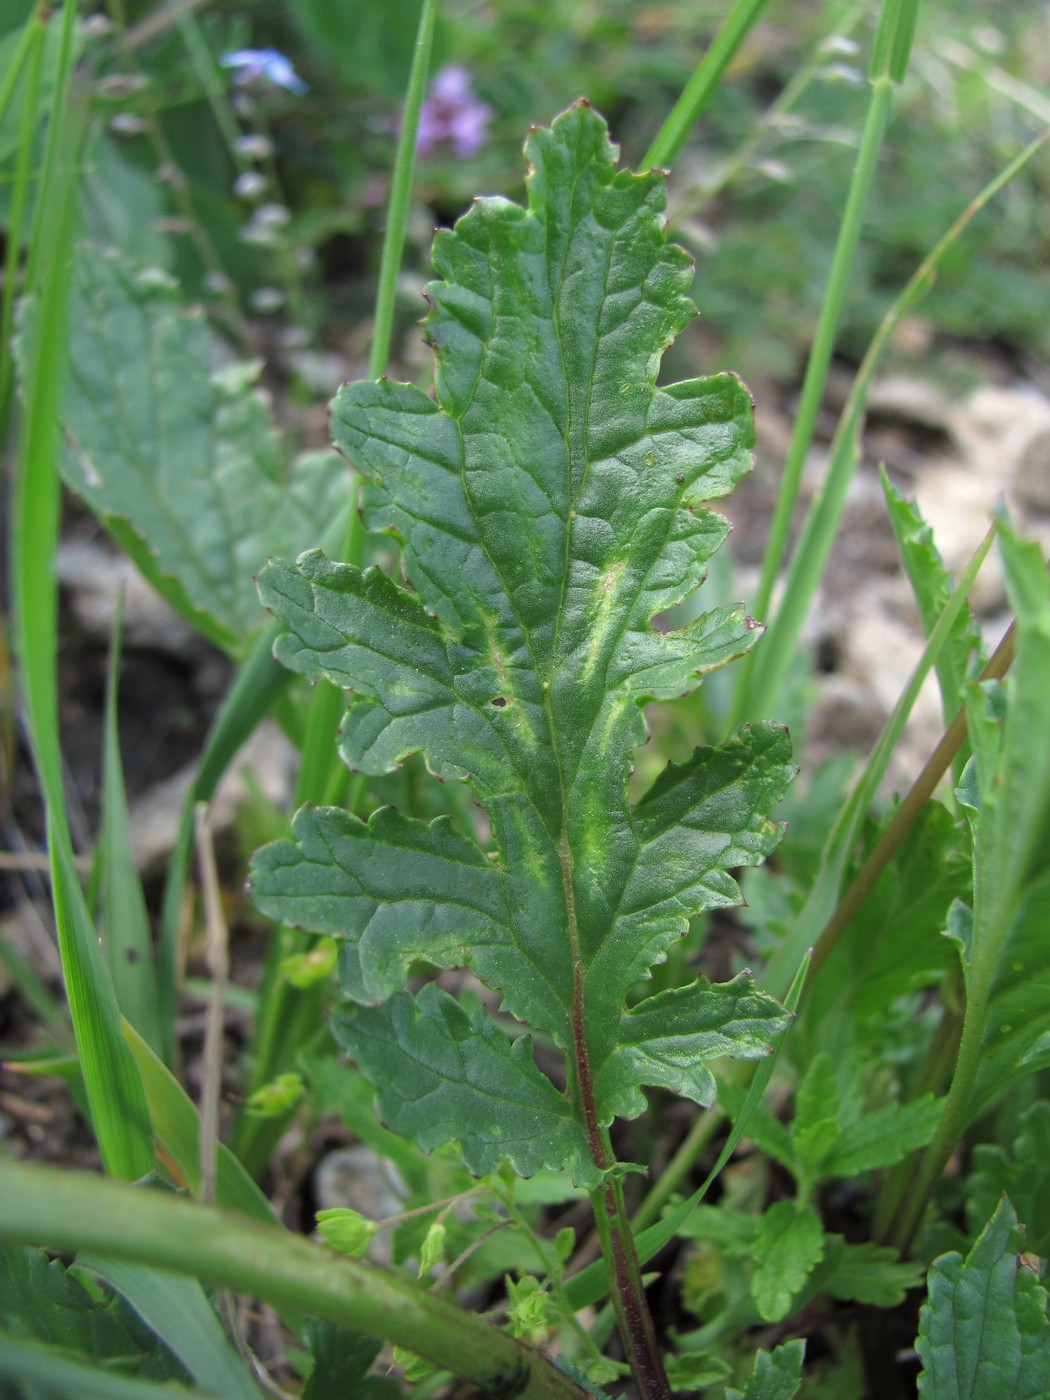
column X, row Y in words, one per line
column 269, row 202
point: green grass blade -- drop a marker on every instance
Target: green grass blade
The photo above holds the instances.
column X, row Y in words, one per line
column 114, row 1092
column 685, row 113
column 119, row 1115
column 931, row 586
column 176, row 1310
column 755, row 691
column 28, row 56
column 126, row 938
column 31, row 1363
column 768, row 665
column 73, row 1211
column 176, row 1127
column 401, row 192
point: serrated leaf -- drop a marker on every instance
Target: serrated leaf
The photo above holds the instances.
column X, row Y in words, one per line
column 984, row 1334
column 862, row 1273
column 186, row 468
column 342, row 1359
column 669, row 1038
column 407, row 889
column 695, row 1370
column 548, row 502
column 733, row 1231
column 817, row 1096
column 894, row 945
column 777, row 1374
column 788, row 1246
column 883, row 1136
column 444, row 1076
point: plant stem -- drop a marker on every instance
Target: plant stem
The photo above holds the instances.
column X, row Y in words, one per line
column 683, row 116
column 74, row 1211
column 915, row 1191
column 400, row 193
column 633, row 1318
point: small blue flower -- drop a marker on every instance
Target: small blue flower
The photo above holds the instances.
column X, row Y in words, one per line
column 263, row 65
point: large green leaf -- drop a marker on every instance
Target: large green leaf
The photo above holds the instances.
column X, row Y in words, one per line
column 548, row 503
column 984, row 1333
column 443, row 1074
column 184, row 465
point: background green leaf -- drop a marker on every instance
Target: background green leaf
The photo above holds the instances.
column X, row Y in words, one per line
column 984, row 1333
column 183, row 465
column 777, row 1374
column 788, row 1246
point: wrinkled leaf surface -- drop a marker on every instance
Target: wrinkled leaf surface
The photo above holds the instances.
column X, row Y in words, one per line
column 548, row 502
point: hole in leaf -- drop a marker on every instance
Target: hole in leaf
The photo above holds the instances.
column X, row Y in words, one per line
column 499, row 702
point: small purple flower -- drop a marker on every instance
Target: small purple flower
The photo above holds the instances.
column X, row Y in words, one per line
column 452, row 113
column 263, row 66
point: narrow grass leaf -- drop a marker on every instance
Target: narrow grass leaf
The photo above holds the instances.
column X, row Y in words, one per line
column 176, row 1310
column 126, row 939
column 21, row 58
column 34, row 1364
column 672, row 136
column 176, row 1126
column 114, row 1091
